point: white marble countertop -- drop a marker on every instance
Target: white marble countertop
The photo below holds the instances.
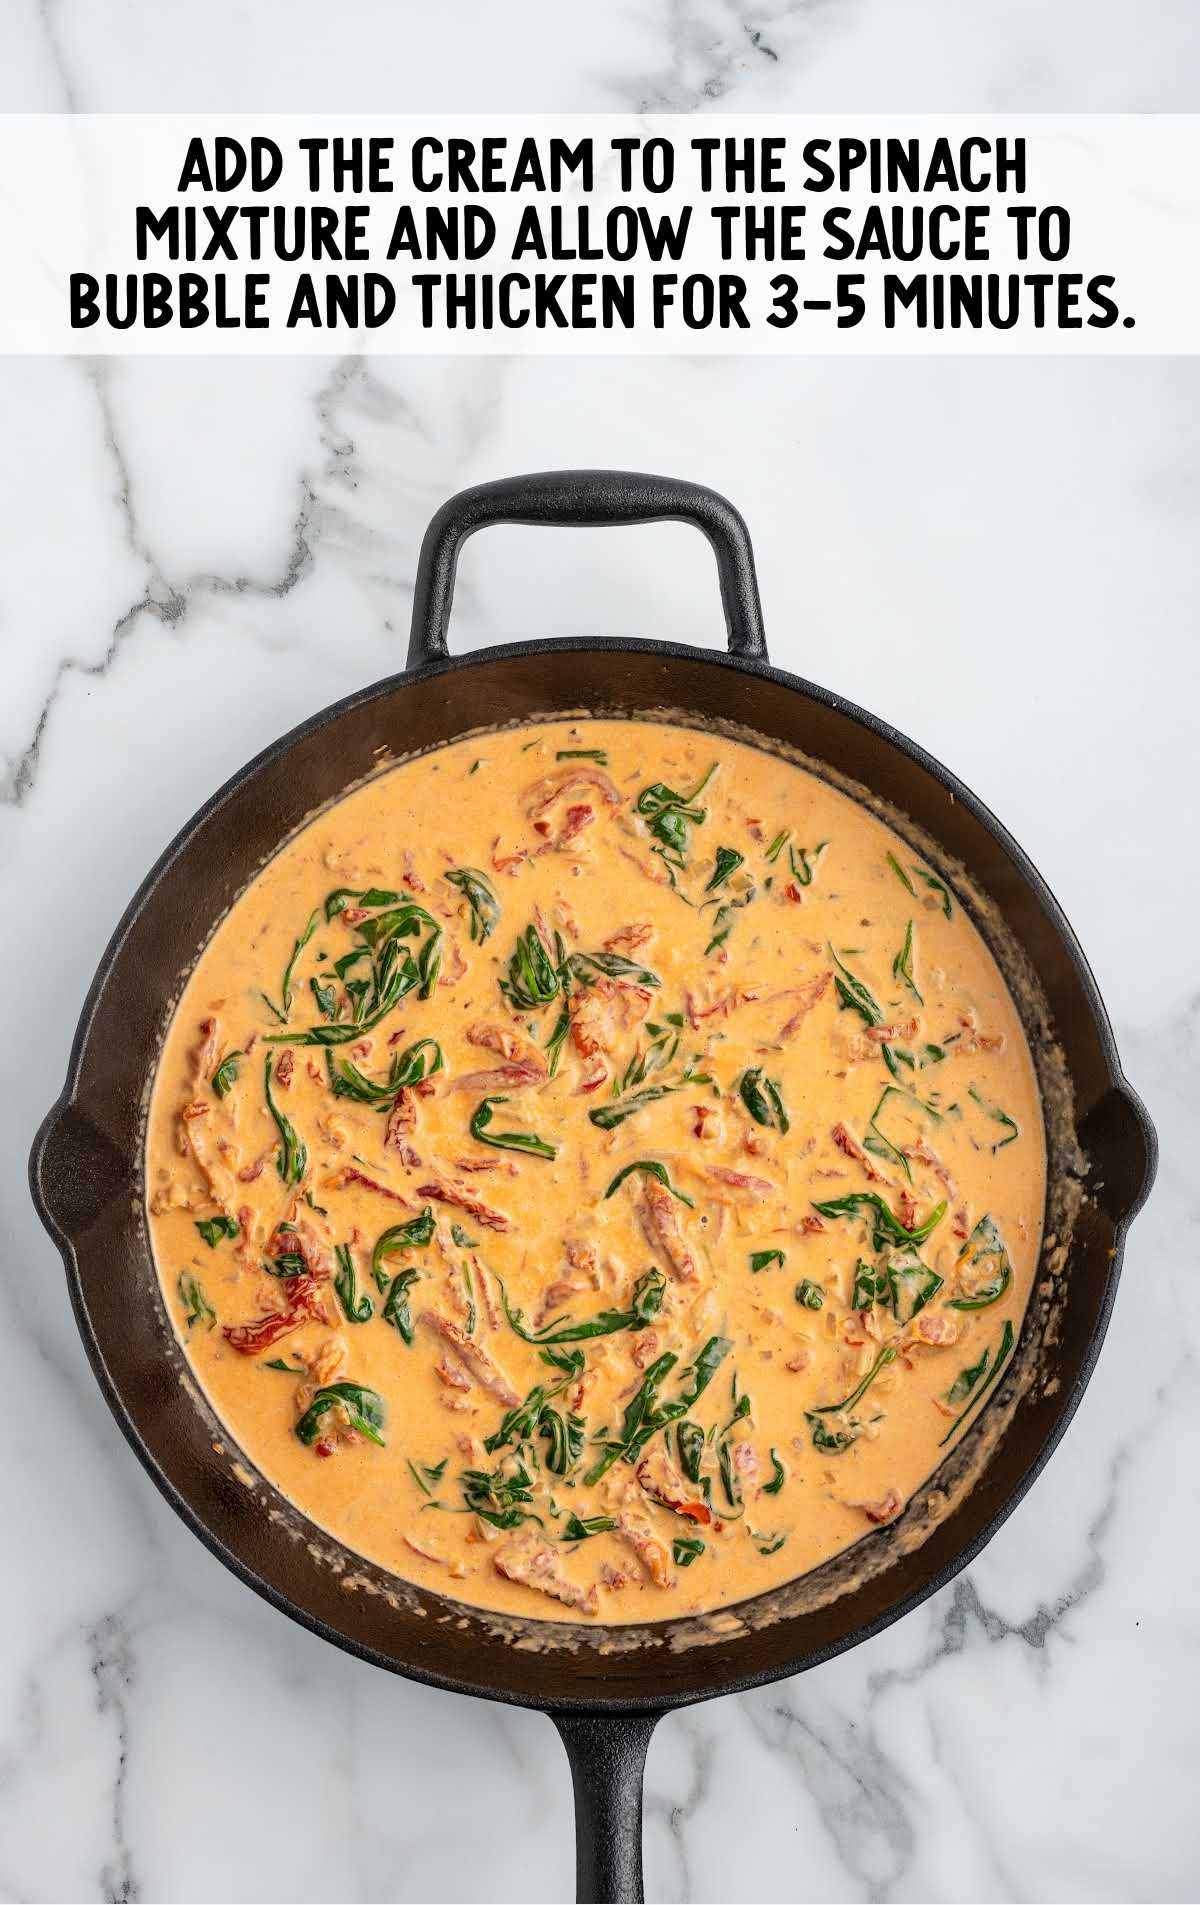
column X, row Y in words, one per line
column 1002, row 558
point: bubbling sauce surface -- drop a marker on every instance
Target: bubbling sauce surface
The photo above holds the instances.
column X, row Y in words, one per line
column 596, row 1171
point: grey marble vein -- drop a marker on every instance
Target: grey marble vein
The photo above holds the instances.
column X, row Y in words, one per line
column 966, row 1616
column 112, row 1664
column 1006, row 1879
column 677, row 1812
column 53, row 38
column 861, row 1796
column 710, row 43
column 168, row 602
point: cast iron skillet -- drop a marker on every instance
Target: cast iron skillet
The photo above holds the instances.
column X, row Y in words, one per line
column 604, row 1689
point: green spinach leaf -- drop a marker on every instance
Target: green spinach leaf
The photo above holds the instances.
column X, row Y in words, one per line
column 778, row 1475
column 834, row 1441
column 645, row 1415
column 524, row 1141
column 763, row 1100
column 902, row 964
column 226, row 1074
column 803, row 869
column 397, row 1309
column 416, row 1234
column 853, row 995
column 647, row 1299
column 577, row 1529
column 501, row 1498
column 291, row 1160
column 886, row 1226
column 196, row 1305
column 998, row 1116
column 985, row 1246
column 297, row 949
column 357, row 1309
column 728, row 860
column 409, row 1067
column 911, row 1285
column 363, row 1409
column 534, row 979
column 1002, row 1353
column 213, row 1229
column 651, row 1168
column 670, row 817
column 482, row 899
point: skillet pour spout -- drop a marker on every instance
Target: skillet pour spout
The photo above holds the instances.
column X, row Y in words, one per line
column 603, row 1687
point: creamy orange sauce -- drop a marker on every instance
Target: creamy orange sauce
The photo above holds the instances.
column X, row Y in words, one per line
column 730, row 1383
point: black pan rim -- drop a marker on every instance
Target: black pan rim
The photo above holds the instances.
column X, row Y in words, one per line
column 389, row 685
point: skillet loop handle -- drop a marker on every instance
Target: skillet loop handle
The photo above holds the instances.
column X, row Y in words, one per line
column 1121, row 1146
column 585, row 499
column 607, row 1752
column 75, row 1172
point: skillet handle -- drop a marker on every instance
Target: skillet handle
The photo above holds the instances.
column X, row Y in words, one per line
column 1121, row 1146
column 607, row 1752
column 584, row 499
column 75, row 1172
